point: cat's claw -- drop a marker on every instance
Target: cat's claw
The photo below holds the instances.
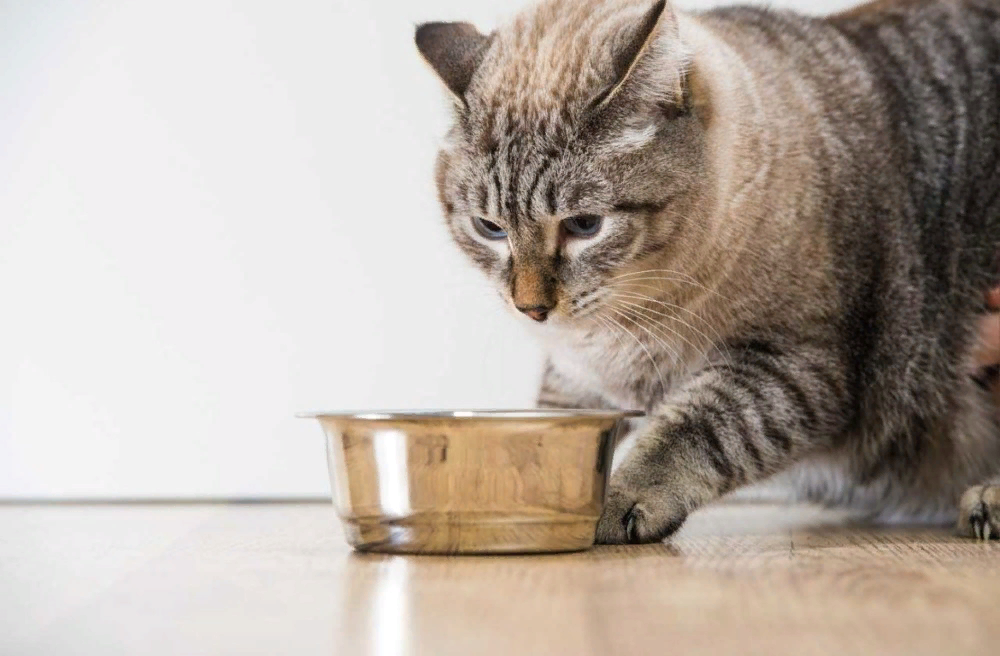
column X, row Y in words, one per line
column 982, row 528
column 638, row 517
column 632, row 526
column 979, row 513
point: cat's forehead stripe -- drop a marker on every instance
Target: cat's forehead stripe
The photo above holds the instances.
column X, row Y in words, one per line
column 483, row 198
column 514, row 163
column 516, row 180
column 529, row 198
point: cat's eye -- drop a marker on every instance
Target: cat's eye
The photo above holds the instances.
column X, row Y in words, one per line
column 585, row 225
column 488, row 229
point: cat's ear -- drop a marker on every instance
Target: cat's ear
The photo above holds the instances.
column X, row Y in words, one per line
column 628, row 48
column 454, row 51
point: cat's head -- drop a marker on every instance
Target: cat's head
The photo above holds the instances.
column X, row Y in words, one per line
column 574, row 154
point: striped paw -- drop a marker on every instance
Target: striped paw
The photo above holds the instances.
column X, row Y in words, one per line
column 979, row 512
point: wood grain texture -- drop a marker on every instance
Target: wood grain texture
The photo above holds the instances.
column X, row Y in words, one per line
column 269, row 579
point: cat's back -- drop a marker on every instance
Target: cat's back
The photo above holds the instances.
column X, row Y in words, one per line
column 941, row 55
column 936, row 69
column 911, row 87
column 936, row 61
column 881, row 11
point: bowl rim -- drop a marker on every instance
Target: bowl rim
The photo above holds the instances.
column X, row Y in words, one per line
column 515, row 414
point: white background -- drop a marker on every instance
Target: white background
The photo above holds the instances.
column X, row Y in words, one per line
column 214, row 215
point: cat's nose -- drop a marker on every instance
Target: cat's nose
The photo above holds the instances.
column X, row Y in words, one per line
column 533, row 289
column 537, row 312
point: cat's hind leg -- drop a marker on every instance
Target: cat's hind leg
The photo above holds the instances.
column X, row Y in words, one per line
column 979, row 511
column 979, row 507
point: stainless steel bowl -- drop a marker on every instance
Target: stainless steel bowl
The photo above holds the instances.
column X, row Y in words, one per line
column 472, row 481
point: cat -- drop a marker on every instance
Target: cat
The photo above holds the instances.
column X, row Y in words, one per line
column 771, row 232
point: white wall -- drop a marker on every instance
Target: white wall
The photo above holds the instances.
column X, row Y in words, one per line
column 214, row 214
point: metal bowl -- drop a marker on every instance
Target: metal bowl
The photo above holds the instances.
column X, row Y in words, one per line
column 506, row 481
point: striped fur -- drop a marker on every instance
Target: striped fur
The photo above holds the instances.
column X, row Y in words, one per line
column 801, row 217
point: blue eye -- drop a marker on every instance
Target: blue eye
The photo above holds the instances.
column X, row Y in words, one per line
column 488, row 229
column 585, row 225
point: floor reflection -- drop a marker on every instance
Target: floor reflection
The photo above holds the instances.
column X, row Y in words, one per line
column 375, row 613
column 399, row 605
column 389, row 621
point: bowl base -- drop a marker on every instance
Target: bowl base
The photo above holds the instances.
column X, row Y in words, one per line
column 475, row 534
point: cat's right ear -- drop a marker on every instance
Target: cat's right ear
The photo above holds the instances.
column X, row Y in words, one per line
column 454, row 51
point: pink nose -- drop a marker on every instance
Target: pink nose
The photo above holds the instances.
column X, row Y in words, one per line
column 538, row 312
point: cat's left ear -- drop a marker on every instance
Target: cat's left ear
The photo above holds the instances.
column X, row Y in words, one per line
column 454, row 51
column 629, row 47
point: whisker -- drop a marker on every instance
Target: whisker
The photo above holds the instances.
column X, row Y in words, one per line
column 672, row 272
column 721, row 342
column 615, row 333
column 631, row 316
column 663, row 325
column 728, row 307
column 621, row 280
column 652, row 360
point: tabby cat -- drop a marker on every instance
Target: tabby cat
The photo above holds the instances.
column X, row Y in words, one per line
column 771, row 232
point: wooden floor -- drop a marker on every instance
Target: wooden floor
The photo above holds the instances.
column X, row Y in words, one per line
column 278, row 579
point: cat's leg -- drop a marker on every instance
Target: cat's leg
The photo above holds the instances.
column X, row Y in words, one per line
column 732, row 424
column 979, row 511
column 979, row 507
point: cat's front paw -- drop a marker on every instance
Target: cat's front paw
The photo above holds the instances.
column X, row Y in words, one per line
column 638, row 514
column 979, row 512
